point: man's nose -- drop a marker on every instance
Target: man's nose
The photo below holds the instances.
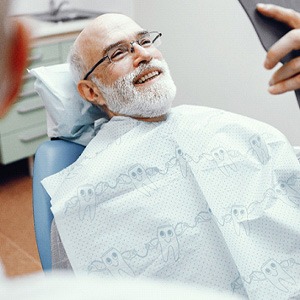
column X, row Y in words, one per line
column 140, row 54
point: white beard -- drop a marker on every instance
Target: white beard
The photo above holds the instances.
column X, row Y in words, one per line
column 155, row 100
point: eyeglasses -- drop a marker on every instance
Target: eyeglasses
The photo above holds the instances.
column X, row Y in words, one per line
column 120, row 51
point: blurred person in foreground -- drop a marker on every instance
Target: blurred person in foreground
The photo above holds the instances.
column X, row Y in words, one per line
column 14, row 37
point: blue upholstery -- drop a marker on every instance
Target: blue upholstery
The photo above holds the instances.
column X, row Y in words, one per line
column 50, row 157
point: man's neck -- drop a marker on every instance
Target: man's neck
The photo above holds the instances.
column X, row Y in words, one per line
column 161, row 118
column 153, row 119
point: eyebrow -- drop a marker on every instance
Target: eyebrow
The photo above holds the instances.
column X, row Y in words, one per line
column 138, row 34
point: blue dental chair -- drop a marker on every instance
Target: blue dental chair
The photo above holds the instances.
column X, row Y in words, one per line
column 71, row 118
column 51, row 157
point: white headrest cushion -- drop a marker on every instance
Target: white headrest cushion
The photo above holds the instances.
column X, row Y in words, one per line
column 68, row 115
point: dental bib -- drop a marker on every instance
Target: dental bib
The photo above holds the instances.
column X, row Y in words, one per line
column 207, row 198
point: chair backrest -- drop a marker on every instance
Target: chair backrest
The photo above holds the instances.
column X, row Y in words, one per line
column 51, row 157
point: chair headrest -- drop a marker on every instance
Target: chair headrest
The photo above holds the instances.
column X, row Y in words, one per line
column 68, row 115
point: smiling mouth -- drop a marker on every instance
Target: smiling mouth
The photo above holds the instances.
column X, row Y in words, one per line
column 147, row 77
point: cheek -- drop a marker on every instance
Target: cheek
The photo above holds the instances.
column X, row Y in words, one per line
column 114, row 72
column 157, row 54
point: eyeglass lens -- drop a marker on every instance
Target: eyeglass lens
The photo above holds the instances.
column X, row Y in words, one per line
column 121, row 50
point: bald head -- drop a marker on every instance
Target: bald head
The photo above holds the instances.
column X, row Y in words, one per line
column 107, row 24
column 100, row 33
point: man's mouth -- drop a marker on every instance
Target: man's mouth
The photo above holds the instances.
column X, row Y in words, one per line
column 142, row 78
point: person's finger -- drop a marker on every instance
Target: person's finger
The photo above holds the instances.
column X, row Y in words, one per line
column 289, row 42
column 290, row 84
column 287, row 71
column 281, row 14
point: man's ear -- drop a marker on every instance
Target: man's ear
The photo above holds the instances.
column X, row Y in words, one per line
column 90, row 92
column 17, row 54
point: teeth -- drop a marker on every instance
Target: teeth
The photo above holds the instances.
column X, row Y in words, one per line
column 148, row 76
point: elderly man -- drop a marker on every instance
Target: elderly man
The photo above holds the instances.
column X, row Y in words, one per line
column 191, row 194
column 130, row 71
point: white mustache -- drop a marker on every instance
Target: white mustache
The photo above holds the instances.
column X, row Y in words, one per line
column 154, row 63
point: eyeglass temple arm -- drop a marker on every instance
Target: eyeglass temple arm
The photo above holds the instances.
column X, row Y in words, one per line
column 94, row 67
column 159, row 35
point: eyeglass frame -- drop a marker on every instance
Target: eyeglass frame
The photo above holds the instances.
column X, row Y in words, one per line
column 159, row 34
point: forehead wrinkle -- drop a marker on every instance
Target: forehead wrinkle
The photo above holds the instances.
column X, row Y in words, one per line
column 123, row 41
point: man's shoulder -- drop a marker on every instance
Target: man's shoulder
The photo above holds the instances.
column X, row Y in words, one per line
column 216, row 119
column 193, row 109
column 219, row 115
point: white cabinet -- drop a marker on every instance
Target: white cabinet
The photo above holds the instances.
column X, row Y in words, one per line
column 24, row 127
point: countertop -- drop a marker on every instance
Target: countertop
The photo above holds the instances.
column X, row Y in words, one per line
column 41, row 29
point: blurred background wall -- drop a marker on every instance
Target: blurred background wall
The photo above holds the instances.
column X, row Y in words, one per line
column 213, row 52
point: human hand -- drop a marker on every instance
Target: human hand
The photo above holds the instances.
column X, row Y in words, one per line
column 287, row 77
